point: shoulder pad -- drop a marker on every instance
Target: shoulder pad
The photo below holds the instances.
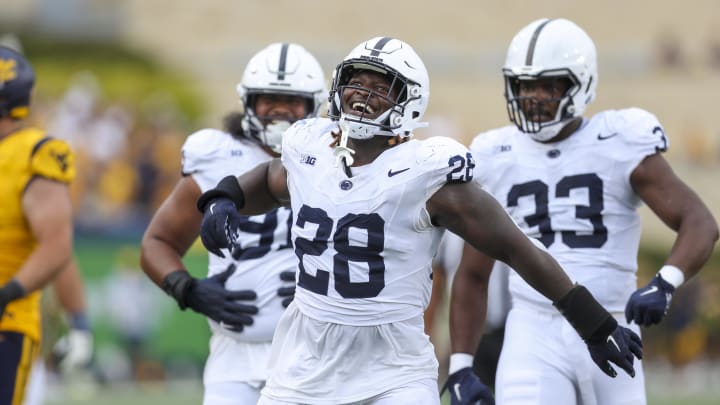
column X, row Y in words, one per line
column 485, row 143
column 449, row 159
column 639, row 129
column 202, row 148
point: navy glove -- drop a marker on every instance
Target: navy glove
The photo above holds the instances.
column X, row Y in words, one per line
column 648, row 305
column 288, row 292
column 467, row 389
column 620, row 347
column 210, row 297
column 219, row 225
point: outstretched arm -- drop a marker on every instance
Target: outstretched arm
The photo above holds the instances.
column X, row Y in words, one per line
column 477, row 217
column 473, row 214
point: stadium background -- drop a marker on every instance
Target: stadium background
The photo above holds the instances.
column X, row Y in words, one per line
column 126, row 81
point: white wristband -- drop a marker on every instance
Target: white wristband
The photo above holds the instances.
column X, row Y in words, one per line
column 459, row 361
column 672, row 275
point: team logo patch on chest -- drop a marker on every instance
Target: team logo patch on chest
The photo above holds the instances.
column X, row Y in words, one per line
column 553, row 153
column 346, row 185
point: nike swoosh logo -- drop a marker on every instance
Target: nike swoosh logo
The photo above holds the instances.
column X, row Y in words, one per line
column 392, row 173
column 456, row 388
column 611, row 339
column 650, row 290
column 602, row 138
column 211, row 208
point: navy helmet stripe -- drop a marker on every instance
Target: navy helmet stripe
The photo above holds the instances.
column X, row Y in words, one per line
column 379, row 45
column 283, row 61
column 533, row 41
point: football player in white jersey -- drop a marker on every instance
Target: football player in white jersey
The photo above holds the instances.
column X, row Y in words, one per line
column 281, row 84
column 575, row 184
column 370, row 205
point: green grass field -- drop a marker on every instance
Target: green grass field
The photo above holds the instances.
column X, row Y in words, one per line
column 189, row 393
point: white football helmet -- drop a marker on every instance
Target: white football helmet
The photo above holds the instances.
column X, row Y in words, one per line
column 549, row 48
column 403, row 66
column 280, row 68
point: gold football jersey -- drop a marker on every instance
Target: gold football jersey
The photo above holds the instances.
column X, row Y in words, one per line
column 25, row 154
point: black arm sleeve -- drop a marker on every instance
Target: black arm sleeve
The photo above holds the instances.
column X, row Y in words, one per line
column 228, row 187
column 586, row 315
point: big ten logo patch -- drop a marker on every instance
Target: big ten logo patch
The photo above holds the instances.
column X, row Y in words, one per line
column 308, row 159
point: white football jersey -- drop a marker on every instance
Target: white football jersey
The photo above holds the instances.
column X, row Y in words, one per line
column 365, row 243
column 208, row 156
column 575, row 197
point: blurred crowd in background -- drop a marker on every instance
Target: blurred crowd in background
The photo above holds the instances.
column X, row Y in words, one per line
column 127, row 158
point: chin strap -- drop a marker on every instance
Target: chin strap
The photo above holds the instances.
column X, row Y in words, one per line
column 343, row 154
column 273, row 134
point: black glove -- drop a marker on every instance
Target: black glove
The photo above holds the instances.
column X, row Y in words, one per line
column 648, row 305
column 467, row 389
column 219, row 226
column 10, row 292
column 210, row 297
column 620, row 347
column 606, row 340
column 288, row 291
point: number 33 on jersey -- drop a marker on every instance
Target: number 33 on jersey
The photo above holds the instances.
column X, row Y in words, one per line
column 575, row 196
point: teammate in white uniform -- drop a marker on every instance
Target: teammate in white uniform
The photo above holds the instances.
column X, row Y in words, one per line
column 575, row 185
column 370, row 206
column 281, row 84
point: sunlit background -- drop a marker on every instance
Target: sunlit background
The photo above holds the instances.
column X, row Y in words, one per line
column 125, row 81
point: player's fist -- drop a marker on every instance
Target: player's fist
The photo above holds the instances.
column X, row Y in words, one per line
column 620, row 347
column 466, row 389
column 233, row 309
column 648, row 305
column 219, row 225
